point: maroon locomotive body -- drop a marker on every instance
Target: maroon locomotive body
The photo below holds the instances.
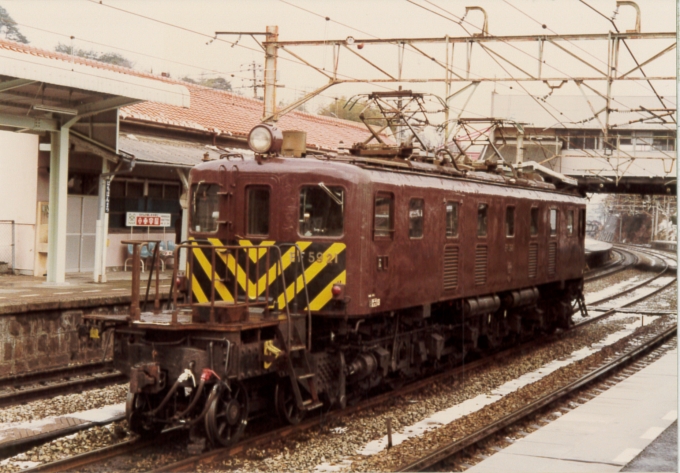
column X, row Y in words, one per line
column 313, row 280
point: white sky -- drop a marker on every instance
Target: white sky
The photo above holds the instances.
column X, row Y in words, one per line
column 183, row 53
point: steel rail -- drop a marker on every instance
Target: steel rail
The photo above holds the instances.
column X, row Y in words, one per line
column 625, row 260
column 97, row 456
column 446, row 451
column 52, row 383
column 191, row 463
column 637, row 286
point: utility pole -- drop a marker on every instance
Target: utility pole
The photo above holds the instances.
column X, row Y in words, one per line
column 254, row 80
column 271, row 51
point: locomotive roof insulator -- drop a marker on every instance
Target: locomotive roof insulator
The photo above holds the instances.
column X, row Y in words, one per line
column 265, row 138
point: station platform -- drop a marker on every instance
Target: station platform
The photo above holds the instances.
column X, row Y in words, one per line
column 598, row 252
column 606, row 433
column 20, row 294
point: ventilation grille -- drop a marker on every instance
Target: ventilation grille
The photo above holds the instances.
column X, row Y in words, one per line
column 552, row 258
column 481, row 257
column 450, row 268
column 533, row 259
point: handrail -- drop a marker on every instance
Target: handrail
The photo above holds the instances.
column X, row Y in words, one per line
column 246, row 288
column 135, row 311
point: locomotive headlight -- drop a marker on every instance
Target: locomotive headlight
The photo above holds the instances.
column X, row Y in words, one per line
column 265, row 138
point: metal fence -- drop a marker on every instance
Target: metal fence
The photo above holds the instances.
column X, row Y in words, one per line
column 7, row 246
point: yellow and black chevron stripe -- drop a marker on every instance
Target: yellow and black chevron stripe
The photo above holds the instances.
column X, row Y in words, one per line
column 251, row 272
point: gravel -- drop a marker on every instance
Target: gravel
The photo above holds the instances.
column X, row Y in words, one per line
column 338, row 441
column 341, row 440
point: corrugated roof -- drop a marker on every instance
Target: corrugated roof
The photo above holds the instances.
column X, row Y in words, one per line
column 26, row 62
column 170, row 152
column 214, row 110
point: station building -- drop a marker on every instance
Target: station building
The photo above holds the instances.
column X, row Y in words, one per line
column 145, row 149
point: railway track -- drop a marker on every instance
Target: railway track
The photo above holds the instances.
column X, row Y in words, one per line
column 46, row 384
column 191, row 463
column 430, row 460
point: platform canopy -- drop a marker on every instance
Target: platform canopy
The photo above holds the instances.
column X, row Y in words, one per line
column 43, row 91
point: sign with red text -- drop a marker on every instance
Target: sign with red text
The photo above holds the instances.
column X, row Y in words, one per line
column 136, row 219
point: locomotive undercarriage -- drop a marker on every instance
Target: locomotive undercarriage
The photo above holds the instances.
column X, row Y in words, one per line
column 214, row 382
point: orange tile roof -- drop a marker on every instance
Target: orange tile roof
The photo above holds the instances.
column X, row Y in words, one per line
column 216, row 110
column 228, row 113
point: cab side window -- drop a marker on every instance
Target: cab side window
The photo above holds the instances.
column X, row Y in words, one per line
column 510, row 221
column 321, row 210
column 482, row 219
column 451, row 219
column 533, row 229
column 205, row 207
column 258, row 210
column 570, row 222
column 553, row 222
column 416, row 218
column 383, row 217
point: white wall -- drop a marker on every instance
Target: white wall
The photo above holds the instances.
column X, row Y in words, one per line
column 18, row 191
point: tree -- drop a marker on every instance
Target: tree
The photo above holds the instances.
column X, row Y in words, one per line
column 219, row 83
column 109, row 58
column 340, row 108
column 9, row 27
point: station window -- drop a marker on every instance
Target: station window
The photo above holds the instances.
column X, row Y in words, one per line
column 510, row 221
column 534, row 221
column 570, row 222
column 383, row 217
column 482, row 220
column 205, row 209
column 321, row 210
column 452, row 219
column 416, row 218
column 553, row 222
column 128, row 196
column 258, row 210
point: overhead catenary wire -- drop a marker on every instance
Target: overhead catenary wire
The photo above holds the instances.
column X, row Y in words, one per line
column 493, row 58
column 629, row 52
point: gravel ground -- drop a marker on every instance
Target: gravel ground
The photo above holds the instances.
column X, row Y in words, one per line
column 341, row 440
column 603, row 283
column 80, row 442
column 68, row 404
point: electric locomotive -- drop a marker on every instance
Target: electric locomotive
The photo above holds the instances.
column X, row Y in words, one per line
column 313, row 280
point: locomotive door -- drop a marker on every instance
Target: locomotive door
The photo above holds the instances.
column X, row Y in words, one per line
column 229, row 179
column 383, row 238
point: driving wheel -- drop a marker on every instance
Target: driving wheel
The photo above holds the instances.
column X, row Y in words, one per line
column 227, row 415
column 136, row 407
column 286, row 405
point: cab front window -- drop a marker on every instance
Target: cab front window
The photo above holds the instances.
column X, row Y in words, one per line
column 321, row 211
column 205, row 211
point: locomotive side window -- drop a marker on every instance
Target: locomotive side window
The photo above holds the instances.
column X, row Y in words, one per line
column 553, row 222
column 482, row 221
column 205, row 207
column 452, row 219
column 510, row 221
column 416, row 208
column 534, row 221
column 321, row 210
column 582, row 223
column 384, row 212
column 258, row 211
column 570, row 222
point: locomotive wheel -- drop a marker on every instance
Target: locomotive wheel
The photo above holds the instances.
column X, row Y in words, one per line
column 286, row 405
column 136, row 406
column 227, row 416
